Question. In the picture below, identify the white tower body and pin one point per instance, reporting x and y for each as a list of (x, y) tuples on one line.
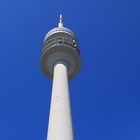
[(60, 61), (60, 124)]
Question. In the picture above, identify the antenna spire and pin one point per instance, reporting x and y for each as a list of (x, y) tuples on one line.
[(60, 25)]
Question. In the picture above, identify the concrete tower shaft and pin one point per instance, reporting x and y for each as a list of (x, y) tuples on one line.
[(60, 123)]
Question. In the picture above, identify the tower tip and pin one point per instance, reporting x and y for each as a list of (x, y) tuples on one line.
[(60, 16), (60, 25)]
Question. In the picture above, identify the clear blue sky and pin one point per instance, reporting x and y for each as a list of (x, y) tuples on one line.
[(105, 95)]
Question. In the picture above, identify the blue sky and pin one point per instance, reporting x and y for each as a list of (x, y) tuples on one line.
[(105, 95)]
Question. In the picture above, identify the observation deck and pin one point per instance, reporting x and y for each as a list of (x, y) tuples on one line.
[(60, 46)]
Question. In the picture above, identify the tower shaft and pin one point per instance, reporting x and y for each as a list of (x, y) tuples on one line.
[(60, 122)]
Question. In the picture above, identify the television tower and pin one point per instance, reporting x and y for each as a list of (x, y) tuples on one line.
[(60, 61)]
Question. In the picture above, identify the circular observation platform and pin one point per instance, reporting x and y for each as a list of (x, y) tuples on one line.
[(60, 46)]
